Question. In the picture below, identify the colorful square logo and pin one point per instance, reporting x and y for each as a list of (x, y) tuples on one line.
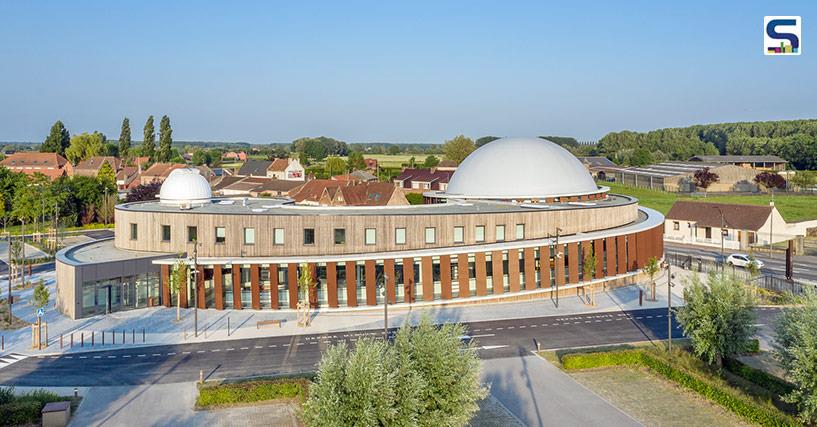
[(781, 35)]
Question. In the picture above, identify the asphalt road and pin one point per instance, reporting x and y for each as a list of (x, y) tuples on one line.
[(300, 353), (805, 267)]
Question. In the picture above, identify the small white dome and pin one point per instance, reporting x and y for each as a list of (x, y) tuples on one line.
[(520, 168), (185, 186)]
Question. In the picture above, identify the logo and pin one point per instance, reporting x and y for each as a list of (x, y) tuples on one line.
[(781, 35)]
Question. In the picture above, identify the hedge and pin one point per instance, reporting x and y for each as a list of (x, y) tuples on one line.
[(763, 379), (251, 391), (742, 406), (24, 409)]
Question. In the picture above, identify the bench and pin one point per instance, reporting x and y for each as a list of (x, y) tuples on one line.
[(261, 323)]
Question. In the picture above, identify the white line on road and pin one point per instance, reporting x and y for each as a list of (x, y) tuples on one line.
[(481, 336), (492, 347)]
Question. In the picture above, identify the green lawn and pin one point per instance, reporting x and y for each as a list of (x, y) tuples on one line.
[(794, 208), (397, 160)]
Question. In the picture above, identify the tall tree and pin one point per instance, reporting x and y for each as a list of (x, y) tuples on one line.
[(149, 142), (718, 317), (85, 146), (165, 139), (795, 346), (459, 148), (57, 141), (124, 139)]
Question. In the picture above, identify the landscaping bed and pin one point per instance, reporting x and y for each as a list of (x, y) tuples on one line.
[(219, 395), (746, 392)]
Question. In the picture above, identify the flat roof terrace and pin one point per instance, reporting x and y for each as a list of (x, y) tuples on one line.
[(269, 206)]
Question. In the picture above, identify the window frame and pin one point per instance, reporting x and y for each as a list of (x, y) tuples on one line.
[(307, 230), (223, 238), (162, 232), (396, 234), (523, 231), (275, 236), (366, 236), (461, 230), (335, 236), (433, 239), (252, 229), (496, 233), (134, 231), (195, 231), (477, 233)]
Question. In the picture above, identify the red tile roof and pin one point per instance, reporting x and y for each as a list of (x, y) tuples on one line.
[(740, 217)]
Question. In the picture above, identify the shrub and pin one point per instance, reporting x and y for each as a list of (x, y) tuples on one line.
[(763, 379), (715, 391), (6, 395), (20, 412)]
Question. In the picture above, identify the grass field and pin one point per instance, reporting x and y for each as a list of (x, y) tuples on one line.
[(397, 160), (794, 208)]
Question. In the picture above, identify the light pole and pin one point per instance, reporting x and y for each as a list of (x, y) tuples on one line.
[(723, 234), (10, 299), (669, 307), (384, 279), (557, 255), (195, 273)]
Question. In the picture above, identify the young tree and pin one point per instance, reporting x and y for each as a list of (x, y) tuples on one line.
[(107, 208), (149, 141), (804, 179), (165, 139), (795, 346), (41, 294), (459, 148), (85, 146), (106, 174), (124, 139), (335, 165), (431, 161), (651, 268), (770, 181), (57, 141), (589, 266), (703, 178), (306, 288), (718, 317), (178, 279), (355, 161)]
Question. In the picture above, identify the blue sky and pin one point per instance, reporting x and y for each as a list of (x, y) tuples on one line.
[(396, 71)]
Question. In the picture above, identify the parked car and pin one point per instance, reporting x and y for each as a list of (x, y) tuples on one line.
[(742, 260)]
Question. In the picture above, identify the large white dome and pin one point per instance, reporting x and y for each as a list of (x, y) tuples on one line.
[(520, 168), (185, 186)]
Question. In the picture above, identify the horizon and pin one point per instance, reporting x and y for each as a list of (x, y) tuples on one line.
[(409, 74)]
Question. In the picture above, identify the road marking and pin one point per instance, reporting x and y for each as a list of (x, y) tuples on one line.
[(55, 357), (200, 351), (300, 343), (481, 336), (649, 317), (155, 354), (477, 330), (532, 326), (215, 350), (185, 352), (83, 357), (286, 345), (97, 357), (69, 357), (141, 355), (126, 355), (111, 357), (259, 346), (244, 348), (522, 327), (639, 318), (272, 346), (230, 349), (492, 347), (488, 329), (511, 327)]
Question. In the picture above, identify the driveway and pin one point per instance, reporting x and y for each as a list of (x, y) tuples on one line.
[(539, 394)]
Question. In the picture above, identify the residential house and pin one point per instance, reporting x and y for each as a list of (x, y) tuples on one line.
[(737, 226), (447, 165), (158, 172), (325, 192), (91, 166), (51, 165), (232, 156), (424, 179), (253, 186), (371, 164), (763, 162), (127, 178), (355, 177), (285, 169)]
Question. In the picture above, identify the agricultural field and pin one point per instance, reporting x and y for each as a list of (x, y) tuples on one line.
[(793, 207), (397, 160)]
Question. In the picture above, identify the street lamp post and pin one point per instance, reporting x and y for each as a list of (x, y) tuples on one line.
[(557, 255), (195, 274), (669, 307), (723, 234)]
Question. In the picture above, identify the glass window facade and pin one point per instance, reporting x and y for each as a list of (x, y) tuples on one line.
[(120, 294)]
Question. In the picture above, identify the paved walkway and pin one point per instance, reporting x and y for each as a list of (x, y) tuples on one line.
[(161, 327), (540, 394)]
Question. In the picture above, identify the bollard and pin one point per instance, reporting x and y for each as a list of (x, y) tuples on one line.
[(60, 341), (3, 345), (123, 336), (82, 343), (143, 335), (640, 297), (228, 326), (92, 338), (133, 336), (103, 337), (72, 340), (76, 392), (201, 376)]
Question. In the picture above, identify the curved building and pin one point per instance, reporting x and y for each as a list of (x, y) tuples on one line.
[(521, 218)]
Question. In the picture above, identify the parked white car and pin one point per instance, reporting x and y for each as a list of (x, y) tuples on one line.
[(742, 260)]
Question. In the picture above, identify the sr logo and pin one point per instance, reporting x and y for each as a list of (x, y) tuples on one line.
[(781, 35)]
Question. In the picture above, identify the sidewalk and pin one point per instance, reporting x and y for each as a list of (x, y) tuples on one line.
[(160, 324)]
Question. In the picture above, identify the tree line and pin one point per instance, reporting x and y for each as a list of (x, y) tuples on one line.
[(793, 140)]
